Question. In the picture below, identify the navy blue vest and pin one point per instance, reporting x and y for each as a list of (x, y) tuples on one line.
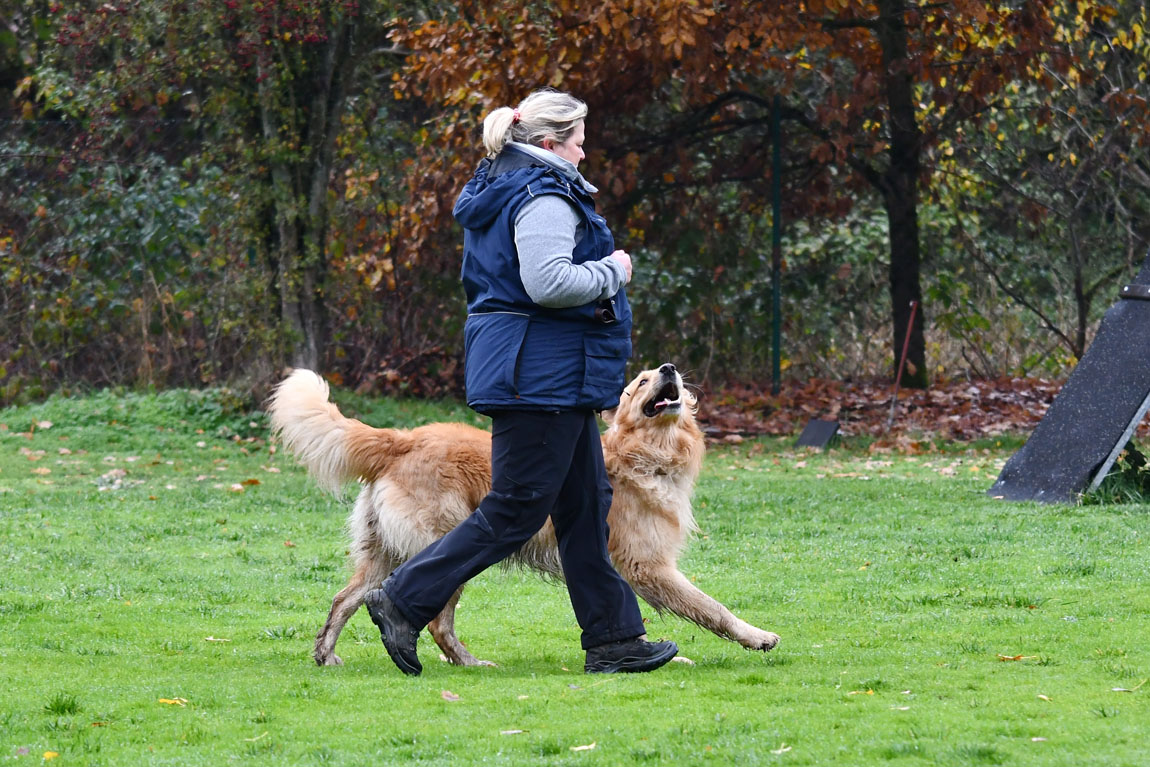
[(520, 355)]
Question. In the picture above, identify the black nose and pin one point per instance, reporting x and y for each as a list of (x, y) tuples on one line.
[(667, 368)]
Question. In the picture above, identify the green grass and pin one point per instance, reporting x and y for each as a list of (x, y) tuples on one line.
[(154, 548)]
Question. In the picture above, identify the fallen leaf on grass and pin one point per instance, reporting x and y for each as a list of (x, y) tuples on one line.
[(681, 659), (236, 488), (1043, 697), (42, 470), (99, 724), (1002, 657), (782, 749), (449, 695), (512, 732), (861, 692), (50, 755), (1131, 689), (1038, 740), (175, 701), (587, 747), (251, 481), (258, 737), (215, 639), (900, 708), (289, 544)]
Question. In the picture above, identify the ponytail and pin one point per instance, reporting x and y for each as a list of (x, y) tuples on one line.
[(545, 114)]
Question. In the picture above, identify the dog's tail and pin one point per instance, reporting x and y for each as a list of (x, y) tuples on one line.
[(335, 449)]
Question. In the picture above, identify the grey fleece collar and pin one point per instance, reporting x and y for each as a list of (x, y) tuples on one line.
[(569, 171)]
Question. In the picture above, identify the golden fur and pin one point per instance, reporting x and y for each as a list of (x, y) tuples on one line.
[(417, 484)]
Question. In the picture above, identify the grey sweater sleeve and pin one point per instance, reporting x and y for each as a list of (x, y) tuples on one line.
[(546, 232)]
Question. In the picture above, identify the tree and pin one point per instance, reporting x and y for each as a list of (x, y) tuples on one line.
[(1072, 163), (679, 91), (265, 86)]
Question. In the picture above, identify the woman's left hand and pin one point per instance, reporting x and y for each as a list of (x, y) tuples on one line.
[(623, 258)]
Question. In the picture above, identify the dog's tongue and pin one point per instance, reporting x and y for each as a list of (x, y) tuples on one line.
[(664, 404)]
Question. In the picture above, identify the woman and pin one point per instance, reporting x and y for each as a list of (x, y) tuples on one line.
[(547, 339)]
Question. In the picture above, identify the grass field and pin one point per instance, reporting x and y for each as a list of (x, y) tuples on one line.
[(163, 574)]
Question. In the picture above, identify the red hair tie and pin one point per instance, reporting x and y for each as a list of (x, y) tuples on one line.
[(514, 116)]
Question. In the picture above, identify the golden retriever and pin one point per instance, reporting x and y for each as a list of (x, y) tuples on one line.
[(417, 484)]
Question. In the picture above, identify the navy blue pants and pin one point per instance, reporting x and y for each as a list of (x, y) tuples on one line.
[(542, 464)]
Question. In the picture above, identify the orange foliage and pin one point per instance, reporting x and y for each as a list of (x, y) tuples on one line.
[(832, 61)]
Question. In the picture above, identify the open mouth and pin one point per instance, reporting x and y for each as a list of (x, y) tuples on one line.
[(667, 400)]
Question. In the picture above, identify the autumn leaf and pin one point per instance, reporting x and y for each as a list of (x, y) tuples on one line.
[(1130, 689), (49, 755), (449, 695), (587, 747), (174, 701)]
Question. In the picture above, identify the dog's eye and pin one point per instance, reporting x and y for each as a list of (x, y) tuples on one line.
[(643, 382)]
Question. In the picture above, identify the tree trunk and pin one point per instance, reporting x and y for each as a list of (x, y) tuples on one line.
[(900, 194), (300, 187), (296, 278)]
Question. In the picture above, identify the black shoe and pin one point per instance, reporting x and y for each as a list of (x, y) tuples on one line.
[(629, 655), (398, 634)]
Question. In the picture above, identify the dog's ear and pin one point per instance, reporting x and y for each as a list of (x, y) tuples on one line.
[(608, 416)]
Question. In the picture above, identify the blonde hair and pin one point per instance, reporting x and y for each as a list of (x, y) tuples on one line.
[(545, 114)]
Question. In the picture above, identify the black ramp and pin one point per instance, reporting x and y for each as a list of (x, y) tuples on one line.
[(818, 433), (1097, 410)]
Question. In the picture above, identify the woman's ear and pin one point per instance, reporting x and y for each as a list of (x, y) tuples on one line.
[(549, 144)]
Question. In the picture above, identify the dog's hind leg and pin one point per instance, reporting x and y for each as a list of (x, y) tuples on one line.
[(666, 588), (442, 628), (368, 575)]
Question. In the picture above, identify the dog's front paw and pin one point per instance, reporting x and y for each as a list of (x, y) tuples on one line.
[(762, 640), (328, 660)]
